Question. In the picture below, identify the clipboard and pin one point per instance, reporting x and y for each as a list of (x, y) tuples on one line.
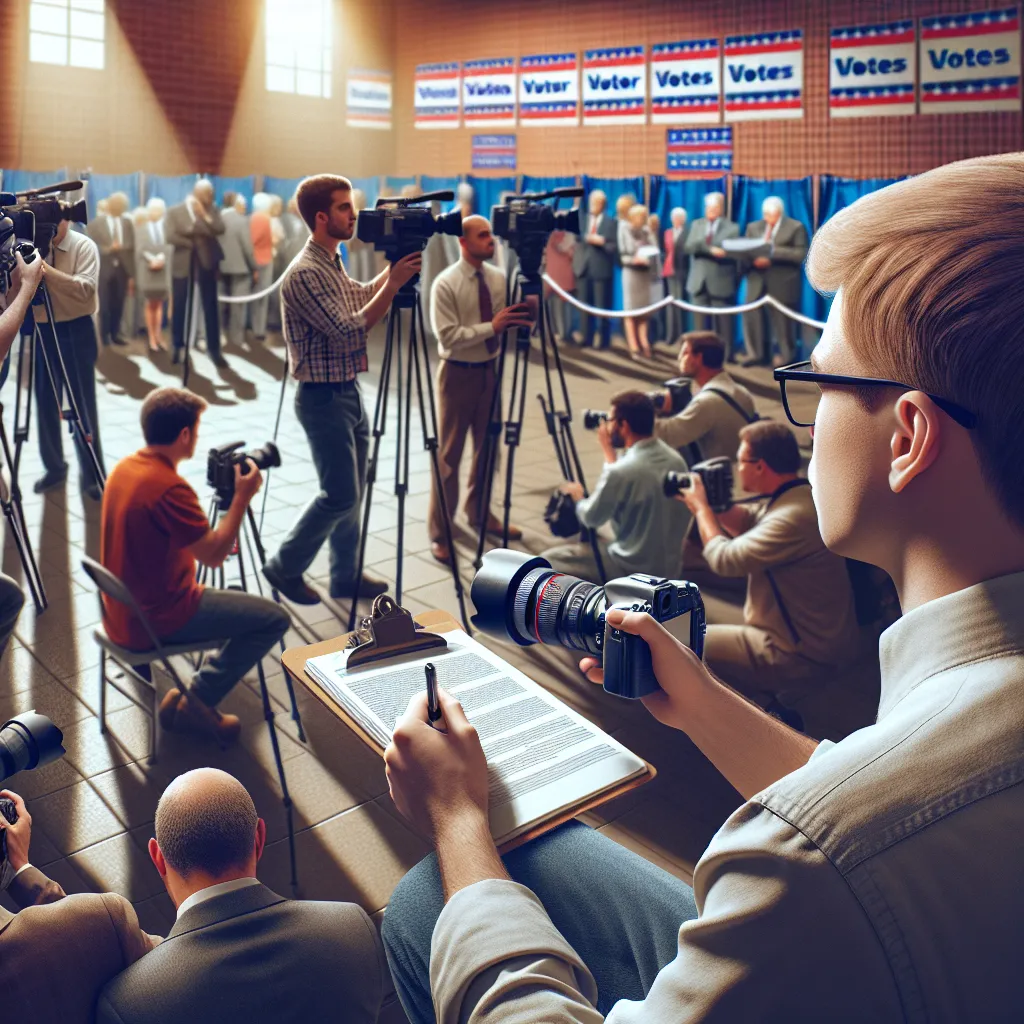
[(392, 631)]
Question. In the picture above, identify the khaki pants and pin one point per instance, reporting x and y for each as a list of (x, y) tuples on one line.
[(464, 405)]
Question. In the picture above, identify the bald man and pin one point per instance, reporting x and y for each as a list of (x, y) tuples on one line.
[(468, 315), (238, 951)]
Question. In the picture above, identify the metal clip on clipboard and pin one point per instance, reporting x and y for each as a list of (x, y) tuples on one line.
[(392, 632)]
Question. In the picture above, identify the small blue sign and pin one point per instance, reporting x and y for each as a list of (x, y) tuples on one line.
[(494, 152)]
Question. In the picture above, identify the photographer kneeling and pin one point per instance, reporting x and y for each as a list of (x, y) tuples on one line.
[(800, 623), (630, 492), (153, 533)]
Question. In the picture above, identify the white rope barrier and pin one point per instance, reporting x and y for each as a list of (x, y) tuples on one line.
[(259, 295)]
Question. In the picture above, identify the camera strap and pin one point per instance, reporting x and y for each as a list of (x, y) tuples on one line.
[(783, 610), (729, 400)]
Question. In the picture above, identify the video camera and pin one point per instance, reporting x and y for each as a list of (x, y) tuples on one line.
[(520, 596), (717, 477), (398, 226), (526, 223), (28, 741), (221, 462), (30, 220), (679, 391)]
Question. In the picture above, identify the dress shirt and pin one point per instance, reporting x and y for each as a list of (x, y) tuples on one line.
[(879, 882), (115, 229), (78, 256), (455, 311), (324, 328), (211, 891)]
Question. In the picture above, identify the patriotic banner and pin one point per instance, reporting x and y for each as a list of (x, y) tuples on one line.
[(494, 152), (549, 90), (614, 86), (764, 76), (686, 82), (698, 152), (436, 88), (489, 93), (872, 70), (368, 99), (970, 62)]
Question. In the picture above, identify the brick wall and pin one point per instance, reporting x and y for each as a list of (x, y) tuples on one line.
[(868, 147)]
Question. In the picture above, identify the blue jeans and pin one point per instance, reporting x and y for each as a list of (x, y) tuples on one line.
[(339, 441), (249, 624), (618, 911)]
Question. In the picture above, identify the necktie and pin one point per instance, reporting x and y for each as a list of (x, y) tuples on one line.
[(768, 233), (710, 232), (486, 309)]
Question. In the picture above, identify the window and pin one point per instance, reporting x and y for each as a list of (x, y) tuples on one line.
[(66, 32), (299, 46)]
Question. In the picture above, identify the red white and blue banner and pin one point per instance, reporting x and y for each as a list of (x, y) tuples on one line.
[(698, 152), (873, 70), (970, 62), (489, 93), (368, 99), (436, 88), (764, 76), (615, 86), (686, 82), (549, 90), (494, 152)]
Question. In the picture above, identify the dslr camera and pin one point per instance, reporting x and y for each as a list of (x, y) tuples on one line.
[(521, 597), (716, 475), (526, 223), (221, 462), (398, 227), (28, 741), (593, 418), (679, 392)]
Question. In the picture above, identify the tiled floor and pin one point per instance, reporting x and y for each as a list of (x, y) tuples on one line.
[(93, 809)]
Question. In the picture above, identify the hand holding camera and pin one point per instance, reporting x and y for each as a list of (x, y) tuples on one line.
[(248, 480), (28, 274), (511, 317), (405, 269), (15, 828)]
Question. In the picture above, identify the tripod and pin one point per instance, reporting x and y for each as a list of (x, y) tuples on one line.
[(525, 284), (10, 505), (417, 362), (248, 539), (190, 321)]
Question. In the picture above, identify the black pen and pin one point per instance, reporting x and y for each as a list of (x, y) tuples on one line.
[(433, 707)]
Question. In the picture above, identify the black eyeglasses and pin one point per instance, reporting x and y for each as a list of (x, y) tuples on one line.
[(808, 403)]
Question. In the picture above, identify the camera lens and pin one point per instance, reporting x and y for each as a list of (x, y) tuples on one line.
[(267, 457), (28, 741), (675, 482)]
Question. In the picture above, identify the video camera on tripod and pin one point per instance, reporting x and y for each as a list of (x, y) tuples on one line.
[(526, 222), (30, 220), (399, 225)]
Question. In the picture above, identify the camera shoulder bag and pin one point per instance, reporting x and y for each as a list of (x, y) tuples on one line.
[(729, 400), (784, 611)]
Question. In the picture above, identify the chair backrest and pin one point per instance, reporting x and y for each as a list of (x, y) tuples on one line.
[(115, 589)]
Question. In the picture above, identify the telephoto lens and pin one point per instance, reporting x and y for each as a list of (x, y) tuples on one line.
[(267, 457), (28, 741), (593, 418)]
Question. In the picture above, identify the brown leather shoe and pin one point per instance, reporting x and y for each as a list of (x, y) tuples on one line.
[(495, 528), (440, 551), (169, 709), (195, 716)]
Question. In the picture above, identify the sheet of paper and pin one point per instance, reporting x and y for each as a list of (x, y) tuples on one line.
[(542, 756)]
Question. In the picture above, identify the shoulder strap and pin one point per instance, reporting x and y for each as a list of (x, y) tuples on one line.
[(782, 607), (729, 400)]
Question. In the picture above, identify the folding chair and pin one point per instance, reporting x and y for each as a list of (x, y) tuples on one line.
[(129, 661)]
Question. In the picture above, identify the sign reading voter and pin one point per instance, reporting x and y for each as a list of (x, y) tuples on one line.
[(970, 62), (764, 76), (698, 152), (368, 99), (872, 70), (436, 88), (549, 90), (489, 92), (615, 86), (494, 152), (686, 82)]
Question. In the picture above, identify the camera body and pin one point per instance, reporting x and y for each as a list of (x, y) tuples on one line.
[(680, 392), (593, 418), (716, 475), (526, 223), (397, 228), (221, 462)]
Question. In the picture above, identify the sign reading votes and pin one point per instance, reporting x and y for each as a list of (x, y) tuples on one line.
[(489, 92), (872, 70), (437, 95), (614, 86), (764, 76), (549, 89), (686, 82), (368, 99)]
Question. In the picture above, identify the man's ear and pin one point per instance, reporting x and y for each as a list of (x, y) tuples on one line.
[(916, 439), (156, 855), (185, 437), (261, 837)]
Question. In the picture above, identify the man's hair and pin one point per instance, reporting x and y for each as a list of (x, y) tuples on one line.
[(166, 412), (228, 201), (637, 409), (932, 297), (314, 195), (208, 824), (708, 345), (774, 443)]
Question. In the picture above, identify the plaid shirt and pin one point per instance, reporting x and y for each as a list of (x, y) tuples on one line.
[(323, 326)]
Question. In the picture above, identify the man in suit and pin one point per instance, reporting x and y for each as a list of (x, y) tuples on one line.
[(238, 267), (114, 233), (593, 263), (58, 951), (193, 228), (238, 951), (778, 275), (712, 276), (674, 271)]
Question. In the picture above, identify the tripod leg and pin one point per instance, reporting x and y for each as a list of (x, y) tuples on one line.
[(277, 427), (492, 444), (186, 361)]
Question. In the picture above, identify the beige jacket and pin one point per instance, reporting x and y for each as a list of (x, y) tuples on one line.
[(709, 420)]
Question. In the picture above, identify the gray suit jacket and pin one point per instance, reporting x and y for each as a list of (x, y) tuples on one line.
[(98, 229), (253, 956), (708, 274), (783, 280), (596, 261), (236, 242), (187, 235)]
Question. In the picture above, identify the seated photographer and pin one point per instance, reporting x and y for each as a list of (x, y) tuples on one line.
[(153, 531), (711, 420), (800, 623), (57, 951), (873, 879), (238, 951), (630, 493)]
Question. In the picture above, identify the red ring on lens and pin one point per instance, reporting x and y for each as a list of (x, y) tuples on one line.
[(540, 599)]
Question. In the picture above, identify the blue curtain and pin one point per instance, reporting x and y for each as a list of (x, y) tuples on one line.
[(435, 183), (20, 181), (542, 183), (370, 188), (99, 186), (393, 184), (283, 187), (488, 192), (668, 193), (171, 189), (613, 188), (245, 185)]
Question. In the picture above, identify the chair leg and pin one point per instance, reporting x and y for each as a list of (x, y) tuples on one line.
[(103, 691), (154, 736)]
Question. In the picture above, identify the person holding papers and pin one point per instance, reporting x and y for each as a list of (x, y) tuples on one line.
[(639, 253)]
